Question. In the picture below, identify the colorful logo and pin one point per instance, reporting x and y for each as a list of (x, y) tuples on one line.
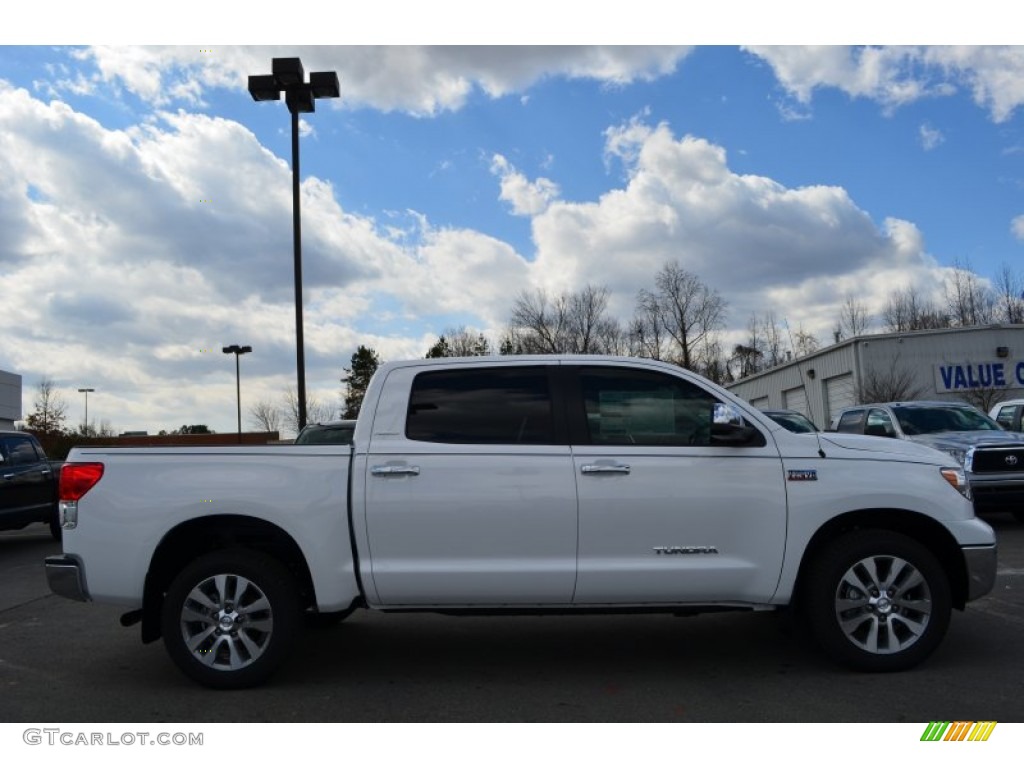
[(959, 731)]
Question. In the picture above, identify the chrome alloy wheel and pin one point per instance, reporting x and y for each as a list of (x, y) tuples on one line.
[(226, 621), (883, 604)]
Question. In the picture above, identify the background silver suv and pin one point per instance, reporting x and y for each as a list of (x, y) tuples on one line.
[(992, 457)]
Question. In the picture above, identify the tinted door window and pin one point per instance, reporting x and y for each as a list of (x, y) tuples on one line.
[(1005, 416), (20, 451), (629, 407), (879, 423), (493, 406), (851, 421)]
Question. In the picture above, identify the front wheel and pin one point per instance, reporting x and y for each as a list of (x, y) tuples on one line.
[(877, 601), (230, 618)]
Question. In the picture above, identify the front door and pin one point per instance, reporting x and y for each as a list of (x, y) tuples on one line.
[(668, 512)]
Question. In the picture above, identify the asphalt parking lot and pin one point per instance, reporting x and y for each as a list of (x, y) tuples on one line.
[(62, 661)]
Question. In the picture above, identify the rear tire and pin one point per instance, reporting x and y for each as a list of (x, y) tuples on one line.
[(877, 601), (231, 618)]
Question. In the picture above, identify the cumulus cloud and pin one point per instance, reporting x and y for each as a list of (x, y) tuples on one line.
[(898, 75), (930, 137), (528, 198), (1017, 227), (422, 80), (750, 237)]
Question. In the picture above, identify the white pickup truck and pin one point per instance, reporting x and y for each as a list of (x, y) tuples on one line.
[(527, 485)]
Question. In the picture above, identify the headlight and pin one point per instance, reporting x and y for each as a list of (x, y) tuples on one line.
[(960, 454), (958, 479)]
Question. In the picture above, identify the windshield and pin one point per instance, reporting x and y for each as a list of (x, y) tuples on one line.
[(923, 421), (794, 422), (325, 435)]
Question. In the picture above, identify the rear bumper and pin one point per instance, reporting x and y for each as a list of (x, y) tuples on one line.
[(66, 577), (981, 570)]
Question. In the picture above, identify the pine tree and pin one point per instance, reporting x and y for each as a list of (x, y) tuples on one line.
[(357, 378)]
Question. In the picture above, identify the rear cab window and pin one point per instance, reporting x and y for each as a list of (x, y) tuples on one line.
[(851, 421), (486, 406)]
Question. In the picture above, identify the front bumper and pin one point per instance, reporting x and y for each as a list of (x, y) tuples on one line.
[(66, 577), (981, 570)]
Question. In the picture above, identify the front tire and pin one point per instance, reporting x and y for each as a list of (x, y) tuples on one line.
[(877, 601), (230, 618)]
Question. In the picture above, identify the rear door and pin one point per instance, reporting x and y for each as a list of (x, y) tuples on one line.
[(470, 497), (668, 513), (26, 479)]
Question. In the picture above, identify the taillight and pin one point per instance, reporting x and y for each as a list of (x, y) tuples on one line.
[(77, 479)]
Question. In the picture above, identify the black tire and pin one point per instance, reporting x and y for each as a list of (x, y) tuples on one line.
[(231, 618), (1018, 515), (859, 626), (55, 529)]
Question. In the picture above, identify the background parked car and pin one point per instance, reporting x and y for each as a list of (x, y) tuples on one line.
[(28, 483), (1009, 415), (328, 433), (794, 421), (992, 457)]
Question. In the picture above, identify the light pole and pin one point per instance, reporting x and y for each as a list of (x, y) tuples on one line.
[(300, 96), (237, 350), (86, 391)]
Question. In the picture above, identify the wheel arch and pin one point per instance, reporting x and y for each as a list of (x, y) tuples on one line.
[(922, 528), (199, 536)]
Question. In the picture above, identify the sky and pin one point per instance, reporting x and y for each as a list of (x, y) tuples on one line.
[(145, 198)]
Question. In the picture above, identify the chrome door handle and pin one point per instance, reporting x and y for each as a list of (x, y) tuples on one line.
[(392, 469), (605, 469)]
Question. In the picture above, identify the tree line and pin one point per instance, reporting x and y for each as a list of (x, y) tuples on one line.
[(680, 319)]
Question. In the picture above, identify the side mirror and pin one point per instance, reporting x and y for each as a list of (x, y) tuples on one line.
[(735, 436)]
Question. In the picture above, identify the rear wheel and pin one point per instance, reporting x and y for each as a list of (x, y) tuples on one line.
[(231, 618), (877, 601)]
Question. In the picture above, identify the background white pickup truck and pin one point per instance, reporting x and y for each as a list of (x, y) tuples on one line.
[(536, 484)]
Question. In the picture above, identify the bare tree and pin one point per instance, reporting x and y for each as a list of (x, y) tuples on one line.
[(854, 318), (266, 416), (647, 335), (906, 310), (775, 350), (968, 300), (575, 323), (747, 360), (460, 342), (804, 343), (50, 409), (983, 398), (316, 411), (1009, 296), (715, 365), (688, 310), (892, 383)]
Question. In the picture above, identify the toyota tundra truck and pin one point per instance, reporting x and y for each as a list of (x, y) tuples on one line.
[(539, 484)]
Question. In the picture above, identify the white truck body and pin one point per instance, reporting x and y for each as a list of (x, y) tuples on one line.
[(605, 511)]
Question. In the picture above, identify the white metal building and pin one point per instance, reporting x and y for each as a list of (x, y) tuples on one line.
[(10, 399), (947, 364)]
